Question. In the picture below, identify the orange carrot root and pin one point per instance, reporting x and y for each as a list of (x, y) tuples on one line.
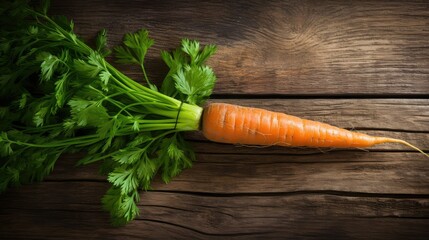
[(234, 124)]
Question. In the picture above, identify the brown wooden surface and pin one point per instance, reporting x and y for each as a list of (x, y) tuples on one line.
[(362, 65)]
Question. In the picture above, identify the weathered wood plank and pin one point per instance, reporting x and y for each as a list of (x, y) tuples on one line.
[(372, 173), (362, 172), (75, 212), (56, 224), (281, 47)]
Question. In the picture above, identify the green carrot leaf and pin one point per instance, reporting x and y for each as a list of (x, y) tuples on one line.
[(124, 178), (101, 43), (175, 157), (61, 89), (48, 66), (192, 48), (195, 82), (135, 47), (188, 75), (128, 155)]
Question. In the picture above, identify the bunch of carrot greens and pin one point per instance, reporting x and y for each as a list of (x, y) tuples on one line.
[(59, 95)]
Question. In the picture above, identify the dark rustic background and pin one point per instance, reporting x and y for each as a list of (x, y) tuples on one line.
[(361, 65)]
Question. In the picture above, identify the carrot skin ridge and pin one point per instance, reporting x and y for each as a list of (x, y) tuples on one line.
[(228, 123)]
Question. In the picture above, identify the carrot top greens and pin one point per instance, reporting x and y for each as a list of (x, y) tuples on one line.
[(59, 95)]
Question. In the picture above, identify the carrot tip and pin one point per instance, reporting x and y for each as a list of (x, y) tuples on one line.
[(394, 140)]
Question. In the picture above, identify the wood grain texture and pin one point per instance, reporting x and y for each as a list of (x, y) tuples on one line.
[(237, 197), (185, 215), (282, 47), (361, 65), (356, 172)]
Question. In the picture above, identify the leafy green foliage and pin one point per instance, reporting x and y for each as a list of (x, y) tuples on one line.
[(177, 157), (125, 179), (189, 79), (134, 50), (122, 207), (197, 56), (58, 95), (195, 82), (101, 43), (48, 66), (135, 47)]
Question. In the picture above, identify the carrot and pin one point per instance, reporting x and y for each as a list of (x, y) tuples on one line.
[(229, 123)]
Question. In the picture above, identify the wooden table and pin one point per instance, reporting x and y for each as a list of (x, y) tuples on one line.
[(362, 65)]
